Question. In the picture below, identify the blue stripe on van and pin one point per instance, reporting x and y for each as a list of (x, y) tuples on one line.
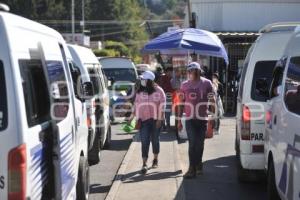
[(38, 171), (67, 165), (38, 168)]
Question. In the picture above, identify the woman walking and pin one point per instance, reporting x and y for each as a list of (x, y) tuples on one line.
[(149, 111)]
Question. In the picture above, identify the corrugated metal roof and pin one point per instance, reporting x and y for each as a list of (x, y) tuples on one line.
[(240, 34), (244, 1)]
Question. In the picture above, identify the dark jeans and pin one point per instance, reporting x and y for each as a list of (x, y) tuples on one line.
[(217, 124), (168, 111), (196, 130), (149, 132)]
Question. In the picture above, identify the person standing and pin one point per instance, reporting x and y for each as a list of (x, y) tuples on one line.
[(218, 90), (196, 96), (165, 83), (149, 106)]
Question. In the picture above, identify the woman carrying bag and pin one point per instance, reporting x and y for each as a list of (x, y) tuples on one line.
[(149, 107)]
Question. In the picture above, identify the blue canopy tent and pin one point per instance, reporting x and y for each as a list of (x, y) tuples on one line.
[(187, 41)]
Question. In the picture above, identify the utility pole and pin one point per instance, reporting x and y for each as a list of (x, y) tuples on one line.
[(73, 21), (83, 23), (189, 11)]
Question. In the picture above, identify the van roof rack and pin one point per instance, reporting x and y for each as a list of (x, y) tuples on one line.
[(280, 26), (4, 7)]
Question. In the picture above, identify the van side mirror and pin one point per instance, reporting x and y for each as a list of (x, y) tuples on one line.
[(109, 83), (261, 87), (278, 90), (87, 90), (55, 90)]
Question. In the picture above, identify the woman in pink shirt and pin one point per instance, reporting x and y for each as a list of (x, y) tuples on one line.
[(149, 110)]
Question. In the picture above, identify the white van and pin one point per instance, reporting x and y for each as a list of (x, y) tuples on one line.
[(43, 156), (122, 73), (282, 143), (251, 101), (91, 70)]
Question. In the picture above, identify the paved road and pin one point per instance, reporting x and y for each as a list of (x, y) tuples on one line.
[(103, 174)]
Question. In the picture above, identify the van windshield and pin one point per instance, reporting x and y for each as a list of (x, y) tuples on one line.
[(3, 99), (119, 74), (263, 70)]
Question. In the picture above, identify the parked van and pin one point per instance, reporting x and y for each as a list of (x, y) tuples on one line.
[(282, 143), (122, 74), (252, 98), (98, 107), (43, 154)]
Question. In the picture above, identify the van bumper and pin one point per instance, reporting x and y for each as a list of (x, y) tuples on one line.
[(253, 161)]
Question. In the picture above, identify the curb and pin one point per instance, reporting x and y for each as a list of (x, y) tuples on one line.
[(178, 167), (122, 169)]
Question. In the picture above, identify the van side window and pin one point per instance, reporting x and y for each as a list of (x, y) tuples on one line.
[(263, 70), (35, 91), (95, 80), (3, 100), (102, 84), (292, 86), (75, 72), (277, 77), (59, 90)]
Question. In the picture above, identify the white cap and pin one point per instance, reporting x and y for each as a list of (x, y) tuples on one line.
[(194, 65), (148, 75)]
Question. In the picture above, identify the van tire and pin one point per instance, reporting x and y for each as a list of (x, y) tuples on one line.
[(271, 186), (95, 152), (108, 138), (83, 182)]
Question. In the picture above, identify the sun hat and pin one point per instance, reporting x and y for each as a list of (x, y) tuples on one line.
[(194, 65), (148, 75)]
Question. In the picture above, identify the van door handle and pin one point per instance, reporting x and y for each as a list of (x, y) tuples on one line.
[(275, 120)]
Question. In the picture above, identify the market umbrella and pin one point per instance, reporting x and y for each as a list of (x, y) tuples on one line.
[(185, 41)]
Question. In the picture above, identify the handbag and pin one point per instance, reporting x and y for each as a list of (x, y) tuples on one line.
[(210, 129)]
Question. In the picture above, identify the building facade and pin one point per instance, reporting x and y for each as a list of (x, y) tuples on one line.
[(237, 23)]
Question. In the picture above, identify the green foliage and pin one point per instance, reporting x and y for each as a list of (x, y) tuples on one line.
[(126, 18), (106, 53), (117, 46)]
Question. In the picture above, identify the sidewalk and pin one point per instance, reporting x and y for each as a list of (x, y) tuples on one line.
[(163, 183), (219, 180)]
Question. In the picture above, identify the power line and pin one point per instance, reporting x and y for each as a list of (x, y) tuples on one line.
[(96, 22), (114, 28)]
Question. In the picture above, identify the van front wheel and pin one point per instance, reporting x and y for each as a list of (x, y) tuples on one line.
[(83, 182)]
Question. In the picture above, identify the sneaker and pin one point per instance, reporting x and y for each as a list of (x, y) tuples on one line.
[(199, 169), (144, 169), (155, 163), (190, 174)]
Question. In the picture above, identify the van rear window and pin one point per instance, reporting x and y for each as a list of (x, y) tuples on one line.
[(263, 70), (3, 100)]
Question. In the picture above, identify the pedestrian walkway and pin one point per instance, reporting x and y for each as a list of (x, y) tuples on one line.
[(163, 183), (219, 180)]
